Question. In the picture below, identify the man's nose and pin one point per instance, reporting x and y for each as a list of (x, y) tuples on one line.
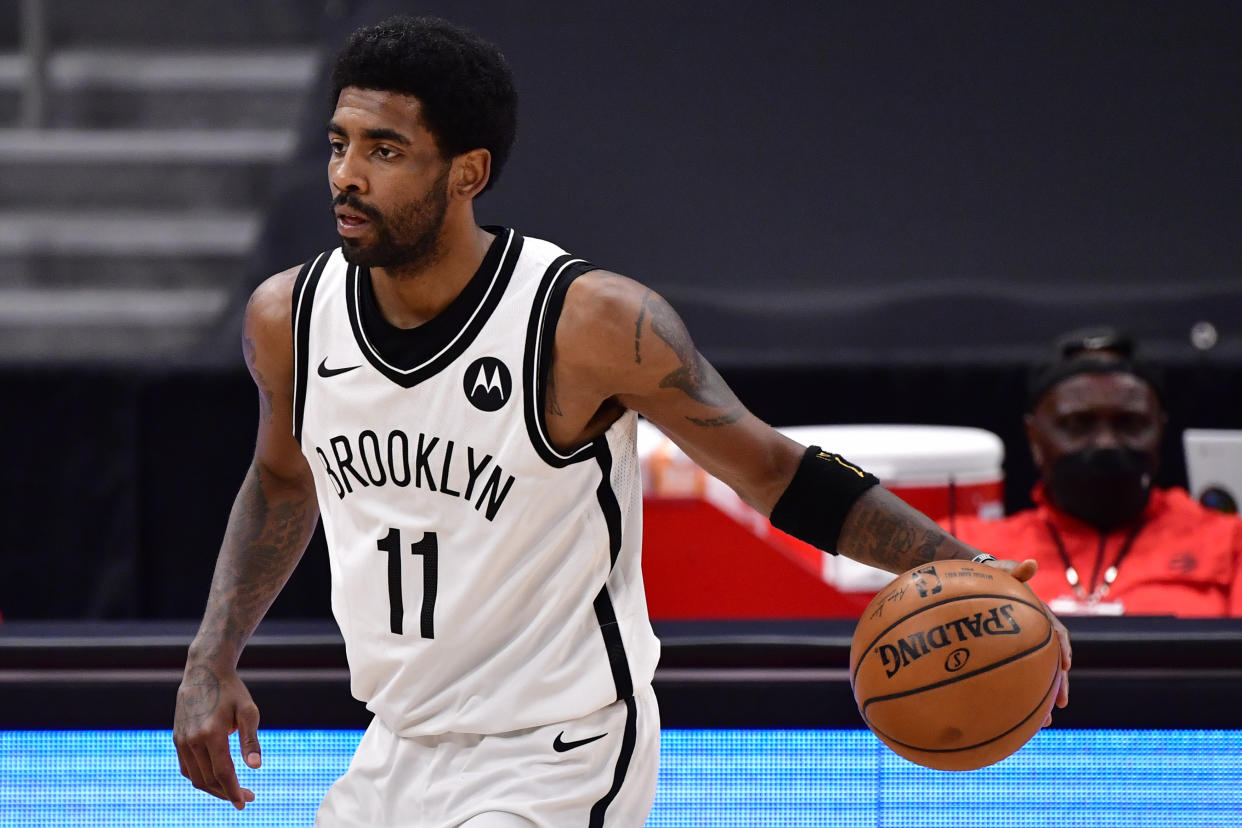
[(1105, 437), (345, 173)]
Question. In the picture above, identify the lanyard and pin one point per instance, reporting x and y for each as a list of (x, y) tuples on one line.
[(1110, 574)]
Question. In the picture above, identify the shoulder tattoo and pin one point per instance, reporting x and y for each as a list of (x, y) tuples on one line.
[(694, 376)]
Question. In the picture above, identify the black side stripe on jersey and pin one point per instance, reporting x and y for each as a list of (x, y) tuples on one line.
[(608, 498), (613, 645), (409, 377), (628, 740), (604, 612), (303, 301), (540, 336)]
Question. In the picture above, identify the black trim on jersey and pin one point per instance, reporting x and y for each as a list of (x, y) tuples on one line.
[(613, 645), (540, 335), (406, 348), (410, 356), (604, 612), (303, 301), (608, 499), (628, 739)]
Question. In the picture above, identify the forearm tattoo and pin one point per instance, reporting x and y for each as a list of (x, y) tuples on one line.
[(695, 376), (264, 541), (890, 540), (927, 547)]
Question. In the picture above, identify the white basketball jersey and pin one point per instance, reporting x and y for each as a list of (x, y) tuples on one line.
[(483, 581)]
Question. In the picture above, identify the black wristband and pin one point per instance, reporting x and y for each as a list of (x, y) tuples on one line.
[(823, 489)]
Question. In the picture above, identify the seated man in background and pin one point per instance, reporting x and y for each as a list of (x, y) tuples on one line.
[(1107, 541)]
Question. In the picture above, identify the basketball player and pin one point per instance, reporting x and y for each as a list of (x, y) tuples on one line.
[(458, 404)]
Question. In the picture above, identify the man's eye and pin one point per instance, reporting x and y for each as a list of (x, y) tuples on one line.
[(385, 152), (1133, 424), (1075, 424)]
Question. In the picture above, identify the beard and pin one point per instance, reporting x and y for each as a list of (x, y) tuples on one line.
[(407, 241)]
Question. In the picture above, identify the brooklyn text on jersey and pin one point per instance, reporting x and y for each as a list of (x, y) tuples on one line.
[(436, 464)]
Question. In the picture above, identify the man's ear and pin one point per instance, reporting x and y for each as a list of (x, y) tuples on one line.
[(470, 174)]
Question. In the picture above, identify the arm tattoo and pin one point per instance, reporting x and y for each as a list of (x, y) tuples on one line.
[(890, 539), (264, 542), (638, 327), (881, 537), (695, 376), (200, 693), (927, 548), (731, 416), (265, 393)]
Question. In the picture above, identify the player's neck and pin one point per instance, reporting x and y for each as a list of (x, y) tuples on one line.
[(409, 299)]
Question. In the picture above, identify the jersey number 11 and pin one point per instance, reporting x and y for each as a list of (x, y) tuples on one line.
[(391, 543)]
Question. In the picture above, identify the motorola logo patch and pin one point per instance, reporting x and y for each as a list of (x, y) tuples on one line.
[(487, 384)]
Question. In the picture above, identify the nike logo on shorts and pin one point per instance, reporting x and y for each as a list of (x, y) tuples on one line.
[(560, 746), (325, 371)]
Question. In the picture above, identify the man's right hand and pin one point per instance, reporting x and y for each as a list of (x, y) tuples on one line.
[(212, 705)]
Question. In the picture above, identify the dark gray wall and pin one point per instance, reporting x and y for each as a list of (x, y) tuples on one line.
[(828, 181)]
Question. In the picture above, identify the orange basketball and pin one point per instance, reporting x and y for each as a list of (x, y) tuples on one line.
[(954, 665)]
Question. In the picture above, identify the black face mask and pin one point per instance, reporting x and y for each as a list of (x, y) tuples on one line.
[(1105, 488)]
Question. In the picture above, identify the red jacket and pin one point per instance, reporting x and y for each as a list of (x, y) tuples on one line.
[(1185, 560)]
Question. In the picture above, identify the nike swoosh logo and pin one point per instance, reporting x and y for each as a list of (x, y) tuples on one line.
[(325, 371), (560, 746)]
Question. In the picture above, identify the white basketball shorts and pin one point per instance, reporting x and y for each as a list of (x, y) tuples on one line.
[(599, 770)]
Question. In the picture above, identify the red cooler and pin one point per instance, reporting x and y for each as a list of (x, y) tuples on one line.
[(706, 554)]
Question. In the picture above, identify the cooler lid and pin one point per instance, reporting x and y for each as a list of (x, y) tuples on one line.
[(910, 452)]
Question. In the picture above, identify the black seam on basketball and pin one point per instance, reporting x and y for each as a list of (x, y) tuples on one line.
[(940, 603), (962, 677), (999, 736)]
